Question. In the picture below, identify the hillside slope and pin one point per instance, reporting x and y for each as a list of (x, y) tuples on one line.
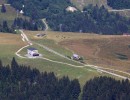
[(81, 3), (10, 14), (108, 51)]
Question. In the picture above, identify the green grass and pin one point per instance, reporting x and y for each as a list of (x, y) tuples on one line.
[(7, 51), (51, 56), (81, 4), (9, 15), (83, 74), (53, 45)]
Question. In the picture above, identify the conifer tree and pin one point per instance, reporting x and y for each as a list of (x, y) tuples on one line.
[(1, 65), (3, 8)]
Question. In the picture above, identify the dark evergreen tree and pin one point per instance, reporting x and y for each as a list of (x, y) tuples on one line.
[(5, 27), (14, 63), (27, 24), (20, 82), (1, 63), (3, 8), (92, 19), (104, 88), (119, 4)]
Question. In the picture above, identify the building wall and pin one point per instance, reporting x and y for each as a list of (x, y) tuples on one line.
[(30, 52)]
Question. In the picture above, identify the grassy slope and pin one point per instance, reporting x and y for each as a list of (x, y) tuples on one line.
[(10, 14), (10, 43), (93, 47), (81, 3), (106, 51)]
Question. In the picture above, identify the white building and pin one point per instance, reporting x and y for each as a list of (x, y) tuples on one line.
[(21, 12), (32, 52), (71, 9), (75, 56)]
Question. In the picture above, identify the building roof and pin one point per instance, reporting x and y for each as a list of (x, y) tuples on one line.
[(71, 9), (21, 12), (32, 49), (75, 55)]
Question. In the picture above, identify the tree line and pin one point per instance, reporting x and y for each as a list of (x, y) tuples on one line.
[(3, 9), (21, 82), (92, 19), (40, 8), (119, 4), (20, 23), (28, 24), (106, 88)]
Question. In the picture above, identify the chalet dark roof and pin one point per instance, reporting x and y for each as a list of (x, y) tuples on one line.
[(32, 49)]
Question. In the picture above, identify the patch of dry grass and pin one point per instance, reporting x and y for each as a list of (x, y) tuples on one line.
[(96, 49), (82, 3), (8, 38), (9, 44), (103, 50), (64, 36)]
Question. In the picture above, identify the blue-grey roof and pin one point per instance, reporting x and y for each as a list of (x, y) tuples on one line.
[(32, 49)]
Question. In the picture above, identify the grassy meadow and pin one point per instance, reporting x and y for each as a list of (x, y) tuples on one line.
[(10, 14), (10, 43), (81, 3)]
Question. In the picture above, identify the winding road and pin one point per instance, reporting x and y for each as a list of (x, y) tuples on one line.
[(46, 26)]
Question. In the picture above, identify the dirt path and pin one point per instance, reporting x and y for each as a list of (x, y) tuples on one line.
[(114, 10), (97, 52), (50, 50), (61, 62), (5, 5), (46, 25), (25, 39)]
